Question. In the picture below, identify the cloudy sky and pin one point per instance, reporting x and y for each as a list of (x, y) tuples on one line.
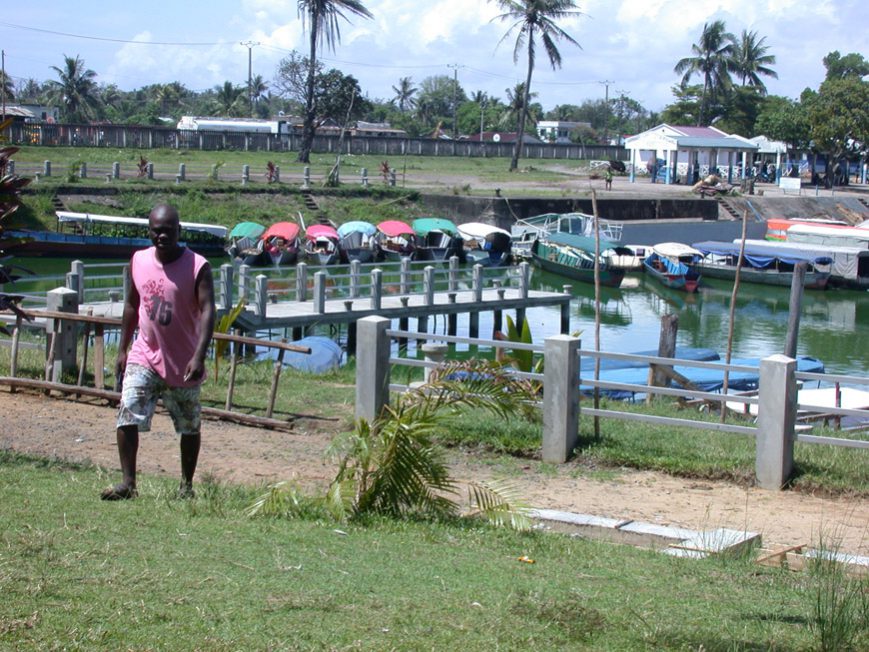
[(629, 46)]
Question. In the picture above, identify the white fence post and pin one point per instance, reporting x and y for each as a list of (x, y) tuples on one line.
[(454, 273), (776, 418), (376, 288), (355, 271), (524, 279), (60, 333), (320, 292), (560, 398), (372, 367), (226, 272), (261, 295), (478, 283), (404, 282), (302, 282), (243, 280), (428, 284)]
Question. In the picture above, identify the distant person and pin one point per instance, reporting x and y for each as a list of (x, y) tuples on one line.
[(608, 178), (652, 168), (171, 301)]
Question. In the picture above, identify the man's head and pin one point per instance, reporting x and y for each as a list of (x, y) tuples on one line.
[(164, 229)]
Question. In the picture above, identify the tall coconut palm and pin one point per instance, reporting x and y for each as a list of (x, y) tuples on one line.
[(533, 19), (75, 90), (713, 59), (750, 60), (230, 99), (320, 18), (404, 93)]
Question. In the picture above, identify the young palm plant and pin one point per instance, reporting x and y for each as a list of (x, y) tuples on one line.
[(392, 467)]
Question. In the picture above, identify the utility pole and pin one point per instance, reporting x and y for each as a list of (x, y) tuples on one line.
[(249, 45), (3, 80), (483, 104), (455, 68), (606, 84)]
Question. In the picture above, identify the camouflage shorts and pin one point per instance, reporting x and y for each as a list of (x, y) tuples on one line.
[(141, 389)]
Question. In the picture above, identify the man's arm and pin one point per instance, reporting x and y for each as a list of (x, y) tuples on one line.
[(129, 322), (207, 312)]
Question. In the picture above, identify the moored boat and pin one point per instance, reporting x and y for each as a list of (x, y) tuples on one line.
[(525, 231), (485, 244), (437, 238), (280, 244), (568, 255), (761, 263), (244, 244), (321, 244), (89, 235), (395, 240), (850, 266), (673, 264), (357, 241)]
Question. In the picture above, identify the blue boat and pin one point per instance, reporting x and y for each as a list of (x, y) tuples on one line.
[(673, 264), (705, 379)]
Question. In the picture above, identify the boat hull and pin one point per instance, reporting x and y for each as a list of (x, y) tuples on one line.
[(541, 256), (49, 243), (685, 282), (814, 280)]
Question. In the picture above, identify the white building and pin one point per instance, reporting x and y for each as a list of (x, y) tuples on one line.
[(686, 154), (559, 131)]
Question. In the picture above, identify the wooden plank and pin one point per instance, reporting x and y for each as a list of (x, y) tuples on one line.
[(777, 556)]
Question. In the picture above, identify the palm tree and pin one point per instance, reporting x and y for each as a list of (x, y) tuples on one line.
[(321, 19), (229, 98), (517, 103), (404, 93), (750, 60), (75, 89), (713, 59), (258, 88), (533, 18), (6, 86)]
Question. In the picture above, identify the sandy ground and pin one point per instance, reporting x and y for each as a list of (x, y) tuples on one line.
[(59, 428)]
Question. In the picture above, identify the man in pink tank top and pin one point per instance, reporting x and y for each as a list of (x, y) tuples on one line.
[(171, 301)]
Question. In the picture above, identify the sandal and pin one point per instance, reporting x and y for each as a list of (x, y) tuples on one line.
[(119, 492)]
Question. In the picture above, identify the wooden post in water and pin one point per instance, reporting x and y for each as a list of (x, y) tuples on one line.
[(797, 284), (666, 349)]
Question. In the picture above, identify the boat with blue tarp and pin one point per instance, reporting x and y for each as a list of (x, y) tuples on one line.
[(706, 379), (769, 264), (674, 265)]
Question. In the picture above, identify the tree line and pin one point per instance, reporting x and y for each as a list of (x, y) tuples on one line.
[(721, 83)]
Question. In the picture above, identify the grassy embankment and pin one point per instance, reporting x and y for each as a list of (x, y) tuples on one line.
[(157, 573), (452, 175)]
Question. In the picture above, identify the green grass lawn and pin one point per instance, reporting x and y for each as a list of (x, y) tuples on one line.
[(159, 573)]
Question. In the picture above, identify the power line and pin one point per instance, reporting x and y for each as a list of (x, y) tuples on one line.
[(102, 38)]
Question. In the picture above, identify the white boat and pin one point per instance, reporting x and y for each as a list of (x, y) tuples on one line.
[(486, 244), (524, 232)]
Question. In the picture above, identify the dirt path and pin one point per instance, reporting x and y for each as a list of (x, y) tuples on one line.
[(85, 432)]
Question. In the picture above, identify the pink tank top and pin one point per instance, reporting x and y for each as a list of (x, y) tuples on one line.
[(168, 314)]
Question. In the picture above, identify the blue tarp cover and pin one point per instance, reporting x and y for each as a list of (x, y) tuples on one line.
[(760, 255)]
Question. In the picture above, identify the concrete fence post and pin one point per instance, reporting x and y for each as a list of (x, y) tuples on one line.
[(776, 418), (83, 171), (320, 292), (376, 288), (364, 177), (355, 273), (434, 353), (226, 294), (306, 177), (372, 367), (60, 333), (116, 170), (77, 268), (10, 167), (478, 283), (245, 174), (126, 281), (277, 173), (243, 281), (524, 279), (302, 282), (428, 285), (560, 398), (150, 169), (404, 282), (392, 177), (46, 168), (261, 294), (182, 171), (454, 274)]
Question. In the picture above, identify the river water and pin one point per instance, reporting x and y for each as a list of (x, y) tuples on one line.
[(834, 324)]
